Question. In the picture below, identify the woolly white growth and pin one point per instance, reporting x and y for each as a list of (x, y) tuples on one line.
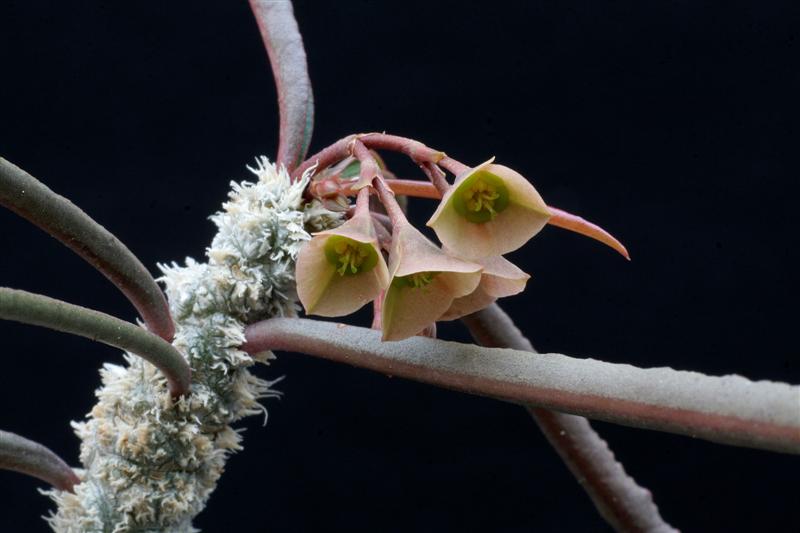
[(151, 463)]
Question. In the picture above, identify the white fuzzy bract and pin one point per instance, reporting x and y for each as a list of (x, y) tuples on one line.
[(150, 463)]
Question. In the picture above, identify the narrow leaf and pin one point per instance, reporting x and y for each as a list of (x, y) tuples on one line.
[(39, 310), (287, 55), (27, 457), (25, 195)]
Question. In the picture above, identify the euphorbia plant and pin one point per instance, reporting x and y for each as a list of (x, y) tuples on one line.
[(156, 443)]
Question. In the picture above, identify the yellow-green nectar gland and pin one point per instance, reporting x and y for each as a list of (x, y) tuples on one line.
[(481, 197), (420, 280), (349, 256)]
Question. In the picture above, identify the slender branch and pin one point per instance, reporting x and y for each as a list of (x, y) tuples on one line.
[(325, 157), (417, 189), (362, 202), (342, 148), (287, 56), (418, 152), (455, 167), (623, 504), (729, 409), (27, 457), (369, 166), (39, 310), (390, 204), (436, 176), (31, 199)]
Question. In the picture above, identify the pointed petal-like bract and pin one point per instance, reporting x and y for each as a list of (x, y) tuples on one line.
[(500, 278), (329, 286), (425, 280), (490, 210)]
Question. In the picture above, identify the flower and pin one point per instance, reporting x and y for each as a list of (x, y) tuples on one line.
[(424, 282), (341, 269), (500, 278), (490, 210)]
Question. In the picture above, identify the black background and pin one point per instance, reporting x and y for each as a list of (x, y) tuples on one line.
[(673, 124)]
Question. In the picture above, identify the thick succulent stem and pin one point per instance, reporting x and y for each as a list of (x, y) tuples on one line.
[(284, 46), (729, 409), (619, 499), (39, 310), (29, 198), (27, 457)]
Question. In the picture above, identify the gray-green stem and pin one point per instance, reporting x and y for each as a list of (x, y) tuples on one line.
[(28, 197), (35, 309), (28, 457), (729, 409)]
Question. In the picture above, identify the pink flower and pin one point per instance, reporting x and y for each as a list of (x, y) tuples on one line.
[(424, 283), (490, 210), (341, 269), (500, 278)]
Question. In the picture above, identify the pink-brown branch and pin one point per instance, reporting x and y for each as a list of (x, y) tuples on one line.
[(618, 498), (287, 56)]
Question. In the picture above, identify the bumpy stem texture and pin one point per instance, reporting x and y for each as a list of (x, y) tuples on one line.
[(151, 463), (625, 505), (25, 195), (39, 310), (27, 457), (730, 409)]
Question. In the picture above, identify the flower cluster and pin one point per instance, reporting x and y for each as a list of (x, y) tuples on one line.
[(488, 211)]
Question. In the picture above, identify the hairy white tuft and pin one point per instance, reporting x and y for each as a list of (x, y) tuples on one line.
[(151, 463)]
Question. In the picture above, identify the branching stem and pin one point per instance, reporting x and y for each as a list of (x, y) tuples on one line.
[(453, 166), (342, 148), (389, 202)]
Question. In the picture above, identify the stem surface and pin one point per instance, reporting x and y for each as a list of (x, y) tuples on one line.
[(31, 199), (287, 56), (39, 310), (729, 409), (28, 457), (618, 498)]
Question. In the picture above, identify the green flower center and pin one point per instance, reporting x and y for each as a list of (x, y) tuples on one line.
[(481, 197), (349, 256), (420, 280)]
